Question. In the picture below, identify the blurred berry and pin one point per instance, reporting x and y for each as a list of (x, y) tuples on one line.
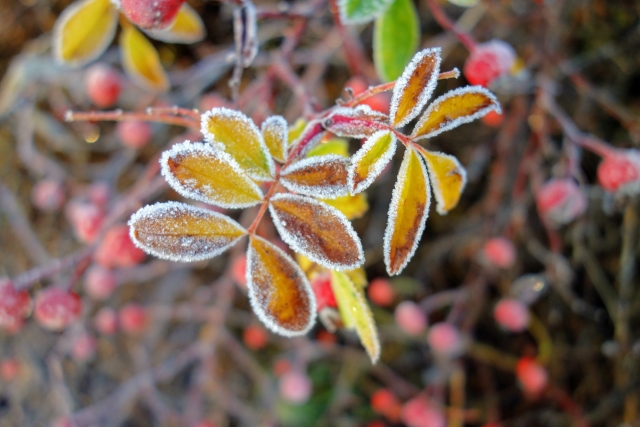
[(151, 15), (385, 403), (15, 306), (499, 252), (445, 340), (48, 195), (99, 282), (133, 319), (418, 412), (380, 292), (512, 315), (117, 249), (239, 270), (83, 348), (489, 61), (493, 118), (531, 375), (86, 220), (102, 84), (281, 366), (321, 285), (134, 134), (410, 318), (561, 201), (9, 369), (106, 321), (57, 308), (255, 337), (620, 172), (295, 387), (99, 194)]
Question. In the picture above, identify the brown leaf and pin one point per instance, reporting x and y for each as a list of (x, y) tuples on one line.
[(318, 176)]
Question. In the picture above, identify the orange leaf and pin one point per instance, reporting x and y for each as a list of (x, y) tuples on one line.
[(416, 85), (407, 213), (279, 292), (370, 160), (318, 176), (316, 230), (235, 133), (448, 179), (187, 27), (276, 136), (83, 31), (141, 61), (454, 108), (200, 171), (181, 232)]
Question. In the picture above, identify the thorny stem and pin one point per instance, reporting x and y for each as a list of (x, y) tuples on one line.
[(446, 23), (119, 115)]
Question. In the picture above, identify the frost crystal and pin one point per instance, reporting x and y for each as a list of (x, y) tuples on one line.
[(241, 194), (395, 206), (324, 177), (403, 90), (356, 183), (449, 124), (318, 231), (180, 232), (261, 284), (358, 122)]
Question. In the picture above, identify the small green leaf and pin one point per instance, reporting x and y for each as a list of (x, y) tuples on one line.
[(359, 11), (396, 38)]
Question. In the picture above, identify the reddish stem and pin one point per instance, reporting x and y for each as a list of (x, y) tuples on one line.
[(446, 23), (175, 110), (119, 115)]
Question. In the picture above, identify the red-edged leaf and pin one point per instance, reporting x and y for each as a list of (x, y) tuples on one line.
[(358, 122), (319, 176)]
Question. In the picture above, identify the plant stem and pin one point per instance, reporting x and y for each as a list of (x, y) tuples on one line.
[(119, 115)]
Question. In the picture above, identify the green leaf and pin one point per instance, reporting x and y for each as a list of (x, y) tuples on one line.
[(359, 11), (395, 40)]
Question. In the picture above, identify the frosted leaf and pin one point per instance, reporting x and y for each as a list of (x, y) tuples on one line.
[(408, 213), (448, 178), (236, 134), (361, 11), (358, 122), (202, 172), (180, 232), (279, 292), (316, 230), (462, 105), (370, 160), (414, 88), (187, 27), (276, 136), (355, 312), (324, 177)]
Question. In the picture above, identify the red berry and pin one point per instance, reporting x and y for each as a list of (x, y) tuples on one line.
[(133, 319), (255, 337), (493, 118), (48, 195), (379, 102), (83, 347), (418, 412), (489, 61), (57, 308), (295, 387), (117, 249), (620, 172), (385, 403), (99, 282), (376, 424), (151, 14), (321, 285), (380, 292), (410, 318), (512, 315), (134, 134), (14, 306), (103, 85), (106, 321), (239, 270), (499, 252), (281, 367), (561, 201), (9, 369), (532, 376), (445, 340), (86, 220)]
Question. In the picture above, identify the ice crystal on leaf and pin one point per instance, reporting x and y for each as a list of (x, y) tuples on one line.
[(354, 122), (370, 160)]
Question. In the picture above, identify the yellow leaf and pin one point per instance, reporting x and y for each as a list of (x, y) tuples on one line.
[(141, 61), (414, 88), (358, 277), (370, 160), (83, 31), (407, 213), (355, 313), (275, 134), (448, 179), (318, 231), (352, 207), (187, 27), (279, 292), (296, 130), (318, 176), (181, 232), (337, 146), (454, 108), (201, 172), (235, 133)]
